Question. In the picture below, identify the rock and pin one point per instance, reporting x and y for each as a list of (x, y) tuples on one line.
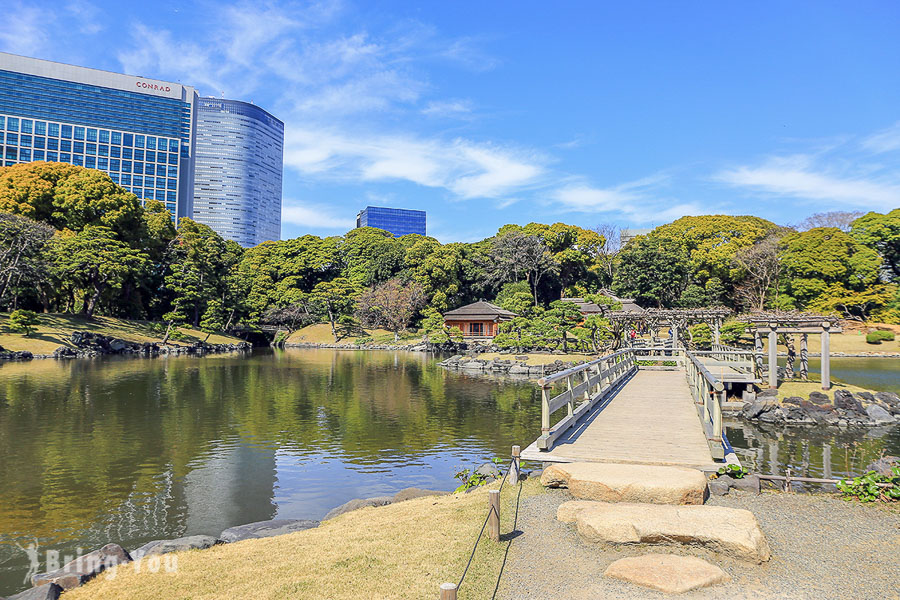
[(867, 396), (754, 409), (84, 568), (819, 398), (793, 400), (411, 493), (888, 398), (775, 415), (719, 487), (358, 503), (767, 393), (518, 370), (845, 400), (879, 415), (264, 529), (48, 591), (191, 542), (525, 358), (609, 482), (748, 483), (568, 511), (883, 465), (488, 470), (730, 531), (667, 573)]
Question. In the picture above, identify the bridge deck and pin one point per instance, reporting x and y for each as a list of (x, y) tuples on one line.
[(725, 372), (651, 419)]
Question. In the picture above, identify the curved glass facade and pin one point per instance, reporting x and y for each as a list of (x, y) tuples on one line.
[(238, 170)]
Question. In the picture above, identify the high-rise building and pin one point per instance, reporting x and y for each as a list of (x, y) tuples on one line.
[(238, 167), (399, 221), (140, 131)]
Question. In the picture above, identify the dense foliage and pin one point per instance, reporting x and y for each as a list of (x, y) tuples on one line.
[(73, 241)]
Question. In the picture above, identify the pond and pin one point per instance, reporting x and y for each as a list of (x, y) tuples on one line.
[(131, 450)]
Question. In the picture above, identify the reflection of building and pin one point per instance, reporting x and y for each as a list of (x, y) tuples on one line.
[(139, 131), (237, 182), (399, 221), (478, 320)]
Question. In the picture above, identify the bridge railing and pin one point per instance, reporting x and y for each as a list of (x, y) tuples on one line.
[(708, 393), (740, 359), (585, 386)]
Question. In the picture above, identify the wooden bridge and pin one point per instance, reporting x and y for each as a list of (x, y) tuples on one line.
[(659, 406)]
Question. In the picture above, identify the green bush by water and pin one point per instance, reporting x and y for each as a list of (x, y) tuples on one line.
[(876, 337)]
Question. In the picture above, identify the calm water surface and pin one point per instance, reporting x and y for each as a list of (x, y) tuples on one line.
[(131, 450)]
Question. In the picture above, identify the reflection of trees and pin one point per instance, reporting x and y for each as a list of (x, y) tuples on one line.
[(810, 451), (83, 443)]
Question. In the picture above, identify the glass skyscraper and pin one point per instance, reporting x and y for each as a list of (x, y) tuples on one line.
[(238, 169), (399, 221), (138, 130)]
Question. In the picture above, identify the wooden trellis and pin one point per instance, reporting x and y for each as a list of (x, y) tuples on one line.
[(677, 320)]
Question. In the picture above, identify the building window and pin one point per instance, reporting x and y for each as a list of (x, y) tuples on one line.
[(476, 328)]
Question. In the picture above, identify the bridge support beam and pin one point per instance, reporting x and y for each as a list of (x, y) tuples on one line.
[(773, 359)]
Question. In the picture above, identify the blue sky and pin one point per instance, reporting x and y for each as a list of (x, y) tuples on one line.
[(486, 113)]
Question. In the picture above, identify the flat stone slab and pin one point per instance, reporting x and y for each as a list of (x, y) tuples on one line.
[(667, 573), (263, 529), (730, 531), (84, 568), (48, 591), (612, 482), (356, 504), (191, 542)]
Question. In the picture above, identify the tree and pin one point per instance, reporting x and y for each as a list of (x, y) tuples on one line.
[(92, 262), (333, 300), (515, 254), (882, 234), (23, 263), (840, 219), (652, 272), (856, 305), (213, 318), (390, 305), (436, 330), (515, 297), (817, 259), (762, 269), (606, 256), (23, 321), (370, 256), (562, 317)]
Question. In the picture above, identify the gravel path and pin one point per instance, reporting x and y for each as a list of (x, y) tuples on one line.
[(822, 548)]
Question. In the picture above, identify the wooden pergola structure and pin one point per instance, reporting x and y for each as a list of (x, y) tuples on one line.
[(788, 325), (677, 320)]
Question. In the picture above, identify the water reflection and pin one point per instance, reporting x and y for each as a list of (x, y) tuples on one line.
[(132, 450)]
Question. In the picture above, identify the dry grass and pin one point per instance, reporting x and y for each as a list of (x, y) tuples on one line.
[(53, 330), (320, 333), (849, 342), (803, 389), (403, 550), (537, 358)]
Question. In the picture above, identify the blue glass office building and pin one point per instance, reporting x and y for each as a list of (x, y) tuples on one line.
[(139, 131), (399, 221), (238, 170)]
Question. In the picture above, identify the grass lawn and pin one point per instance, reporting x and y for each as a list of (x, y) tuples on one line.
[(803, 388), (320, 333), (852, 341), (53, 330), (537, 358), (403, 550)]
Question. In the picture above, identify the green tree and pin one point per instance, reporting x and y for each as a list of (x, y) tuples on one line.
[(813, 261), (562, 317), (515, 297), (436, 330), (652, 271), (213, 318), (390, 305), (23, 321), (23, 258), (882, 234), (334, 299), (93, 262), (370, 256)]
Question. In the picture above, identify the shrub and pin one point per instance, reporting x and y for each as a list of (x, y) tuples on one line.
[(872, 487), (876, 337), (23, 321)]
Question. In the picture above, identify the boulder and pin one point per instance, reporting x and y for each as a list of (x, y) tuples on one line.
[(610, 482), (879, 415), (793, 400), (667, 573), (719, 487), (748, 483), (518, 370), (845, 400), (567, 512), (819, 398), (191, 542), (48, 591), (888, 398), (84, 568), (264, 529), (358, 503), (488, 470), (752, 410), (883, 465), (412, 493), (730, 531), (767, 393)]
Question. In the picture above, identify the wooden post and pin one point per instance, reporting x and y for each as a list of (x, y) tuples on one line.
[(570, 405), (716, 336), (448, 591), (494, 518), (804, 357), (773, 357), (826, 354), (757, 347), (514, 469), (791, 355)]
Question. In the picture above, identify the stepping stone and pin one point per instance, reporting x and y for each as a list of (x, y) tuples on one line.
[(191, 542), (667, 573), (84, 568), (48, 591), (730, 531), (264, 529), (611, 482)]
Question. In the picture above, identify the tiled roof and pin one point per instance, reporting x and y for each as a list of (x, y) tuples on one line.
[(479, 309)]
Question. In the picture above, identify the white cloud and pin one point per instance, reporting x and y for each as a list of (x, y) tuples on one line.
[(886, 140), (23, 29), (803, 177), (447, 108), (313, 216)]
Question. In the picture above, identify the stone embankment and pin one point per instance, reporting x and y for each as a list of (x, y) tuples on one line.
[(48, 586), (848, 409), (87, 344), (517, 366), (414, 347)]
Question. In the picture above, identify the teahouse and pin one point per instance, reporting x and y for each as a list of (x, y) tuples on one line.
[(478, 320)]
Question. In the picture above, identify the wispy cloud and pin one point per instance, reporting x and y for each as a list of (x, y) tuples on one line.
[(886, 140), (447, 108), (313, 216), (23, 29)]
